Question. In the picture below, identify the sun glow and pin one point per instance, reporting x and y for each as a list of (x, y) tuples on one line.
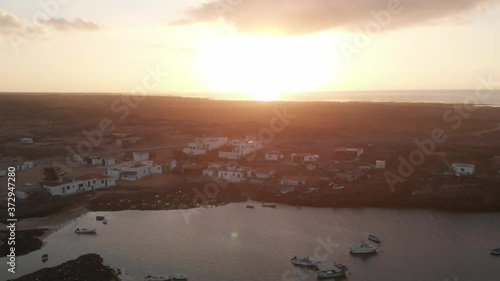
[(265, 67)]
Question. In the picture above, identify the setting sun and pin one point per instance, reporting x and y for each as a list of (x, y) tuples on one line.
[(265, 67)]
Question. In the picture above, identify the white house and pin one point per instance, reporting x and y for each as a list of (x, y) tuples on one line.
[(293, 180), (234, 174), (133, 171), (202, 145), (26, 140), (272, 156), (140, 156), (79, 184), (241, 147), (380, 164), (462, 168), (304, 158)]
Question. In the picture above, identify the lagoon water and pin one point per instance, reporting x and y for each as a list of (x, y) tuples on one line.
[(235, 243)]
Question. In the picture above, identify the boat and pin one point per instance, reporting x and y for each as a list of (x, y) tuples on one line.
[(364, 248), (269, 205), (374, 238), (309, 190), (307, 261), (495, 252), (105, 221), (99, 218), (250, 206), (180, 276), (85, 231), (45, 258), (158, 277), (337, 270)]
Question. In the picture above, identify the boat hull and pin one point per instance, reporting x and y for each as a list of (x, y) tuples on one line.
[(332, 273)]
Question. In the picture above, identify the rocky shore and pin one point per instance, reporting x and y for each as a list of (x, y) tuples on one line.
[(27, 241), (88, 267)]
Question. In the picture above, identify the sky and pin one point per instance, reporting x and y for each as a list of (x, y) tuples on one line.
[(246, 49)]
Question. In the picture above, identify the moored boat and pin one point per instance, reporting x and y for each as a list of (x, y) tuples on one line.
[(306, 261), (269, 205), (336, 271), (363, 248), (495, 252), (310, 189), (105, 221), (158, 277), (85, 231), (287, 190), (45, 258), (99, 218), (250, 206), (374, 238)]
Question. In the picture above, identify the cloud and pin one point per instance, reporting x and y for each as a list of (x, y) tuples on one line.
[(309, 16), (8, 20), (78, 24)]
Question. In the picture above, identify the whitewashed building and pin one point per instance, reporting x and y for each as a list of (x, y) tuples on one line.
[(293, 180), (380, 164), (132, 171), (272, 156), (304, 158), (140, 156), (27, 141), (79, 184), (462, 169), (241, 147), (263, 173), (202, 145)]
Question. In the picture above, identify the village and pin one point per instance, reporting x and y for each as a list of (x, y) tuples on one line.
[(337, 174)]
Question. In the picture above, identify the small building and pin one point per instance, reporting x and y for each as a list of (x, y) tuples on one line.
[(30, 191), (27, 141), (140, 156), (462, 169), (304, 158), (241, 147), (272, 156), (380, 164), (236, 175), (202, 145), (293, 180), (79, 184)]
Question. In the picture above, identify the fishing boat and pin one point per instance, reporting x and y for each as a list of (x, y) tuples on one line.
[(363, 248), (337, 270), (45, 258), (269, 205), (374, 238), (495, 252), (85, 231), (158, 277), (99, 218), (180, 276), (306, 261), (105, 221), (250, 206)]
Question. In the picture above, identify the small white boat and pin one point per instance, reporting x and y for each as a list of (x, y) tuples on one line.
[(158, 277), (374, 238), (180, 276), (287, 190), (309, 190), (85, 231), (364, 248), (269, 205), (337, 187), (306, 261)]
